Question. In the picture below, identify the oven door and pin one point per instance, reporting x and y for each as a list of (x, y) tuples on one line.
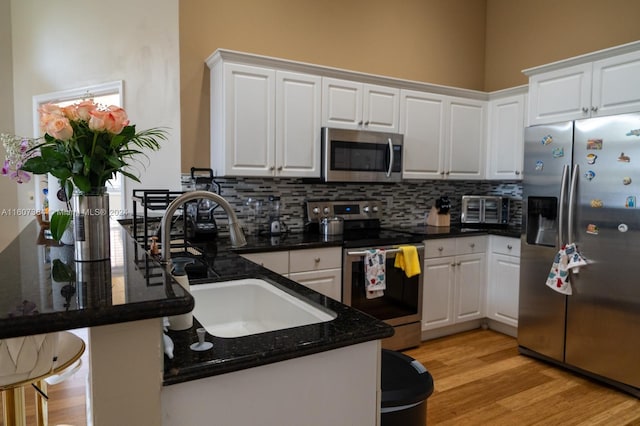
[(402, 299)]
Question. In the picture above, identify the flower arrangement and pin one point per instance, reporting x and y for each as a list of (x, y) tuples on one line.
[(85, 145)]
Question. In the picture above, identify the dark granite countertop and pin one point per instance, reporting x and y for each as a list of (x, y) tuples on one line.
[(231, 354), (129, 287)]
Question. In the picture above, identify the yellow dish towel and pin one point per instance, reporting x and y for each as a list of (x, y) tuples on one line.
[(407, 260)]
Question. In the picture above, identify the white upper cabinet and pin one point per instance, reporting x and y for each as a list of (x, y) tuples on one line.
[(352, 105), (422, 122), (444, 136), (466, 139), (264, 122), (242, 121), (506, 137), (298, 115), (582, 88)]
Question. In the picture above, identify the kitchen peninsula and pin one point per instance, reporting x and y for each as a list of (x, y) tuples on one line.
[(124, 315)]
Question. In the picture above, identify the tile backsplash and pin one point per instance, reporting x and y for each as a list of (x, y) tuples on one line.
[(406, 203)]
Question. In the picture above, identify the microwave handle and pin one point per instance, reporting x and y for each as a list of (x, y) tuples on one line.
[(390, 158)]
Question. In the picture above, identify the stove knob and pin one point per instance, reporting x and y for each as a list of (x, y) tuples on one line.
[(315, 210), (365, 209), (375, 209), (326, 210)]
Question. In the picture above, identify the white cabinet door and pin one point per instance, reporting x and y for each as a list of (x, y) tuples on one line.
[(298, 115), (506, 138), (351, 105), (560, 95), (466, 139), (341, 103), (616, 85), (422, 124), (381, 108), (469, 286), (276, 261), (438, 293), (503, 289), (324, 281), (249, 136)]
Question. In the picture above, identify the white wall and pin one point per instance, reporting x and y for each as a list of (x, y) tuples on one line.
[(66, 44), (8, 188)]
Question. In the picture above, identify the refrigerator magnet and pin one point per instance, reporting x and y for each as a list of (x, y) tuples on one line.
[(634, 132), (596, 203), (630, 202), (624, 158), (592, 229), (590, 175), (539, 166), (557, 152), (626, 180), (594, 144), (623, 227), (547, 140), (591, 158)]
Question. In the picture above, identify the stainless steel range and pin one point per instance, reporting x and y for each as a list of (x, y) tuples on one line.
[(400, 305)]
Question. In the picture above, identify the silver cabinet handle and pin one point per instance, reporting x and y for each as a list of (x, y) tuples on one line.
[(509, 246), (453, 264), (442, 173), (440, 248), (366, 123), (585, 110), (317, 260), (279, 168), (446, 173), (594, 108), (517, 172), (472, 245), (458, 264), (272, 168), (360, 123)]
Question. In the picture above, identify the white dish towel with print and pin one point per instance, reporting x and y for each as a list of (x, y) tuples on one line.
[(567, 258), (374, 272)]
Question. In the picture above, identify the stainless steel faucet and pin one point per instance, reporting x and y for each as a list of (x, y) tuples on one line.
[(235, 231)]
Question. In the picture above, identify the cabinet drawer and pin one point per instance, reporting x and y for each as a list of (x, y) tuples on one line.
[(277, 261), (469, 245), (505, 245), (440, 247), (315, 259)]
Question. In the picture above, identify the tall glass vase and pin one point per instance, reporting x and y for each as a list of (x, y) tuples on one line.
[(91, 225)]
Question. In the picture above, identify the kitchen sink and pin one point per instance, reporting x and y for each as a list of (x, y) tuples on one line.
[(251, 306)]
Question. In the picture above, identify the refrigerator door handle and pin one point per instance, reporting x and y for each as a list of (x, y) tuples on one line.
[(572, 203), (563, 196)]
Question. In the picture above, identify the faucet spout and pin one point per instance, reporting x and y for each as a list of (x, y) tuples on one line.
[(235, 231)]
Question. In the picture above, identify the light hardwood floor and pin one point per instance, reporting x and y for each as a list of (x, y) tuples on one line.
[(480, 379)]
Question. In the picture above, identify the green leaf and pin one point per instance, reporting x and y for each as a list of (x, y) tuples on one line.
[(36, 165), (82, 182), (130, 176), (60, 221), (61, 272)]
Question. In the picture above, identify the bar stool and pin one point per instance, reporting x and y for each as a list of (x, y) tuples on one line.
[(30, 360)]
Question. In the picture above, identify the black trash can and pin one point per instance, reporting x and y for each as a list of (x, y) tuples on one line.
[(406, 385)]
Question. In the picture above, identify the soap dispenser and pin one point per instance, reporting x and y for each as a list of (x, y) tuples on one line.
[(182, 321)]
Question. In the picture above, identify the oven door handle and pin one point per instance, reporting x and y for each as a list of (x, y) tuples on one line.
[(389, 170), (390, 251)]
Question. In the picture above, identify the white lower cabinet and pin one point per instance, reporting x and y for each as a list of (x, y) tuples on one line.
[(320, 269), (503, 280), (454, 281)]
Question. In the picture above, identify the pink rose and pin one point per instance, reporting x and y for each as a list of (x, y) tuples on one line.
[(59, 128), (50, 109), (71, 112), (118, 120), (113, 120), (98, 119), (84, 109)]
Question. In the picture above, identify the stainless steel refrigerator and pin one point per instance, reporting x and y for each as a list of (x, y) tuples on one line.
[(581, 184)]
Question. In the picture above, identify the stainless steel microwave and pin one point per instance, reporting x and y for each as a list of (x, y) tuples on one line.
[(487, 209), (361, 156)]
